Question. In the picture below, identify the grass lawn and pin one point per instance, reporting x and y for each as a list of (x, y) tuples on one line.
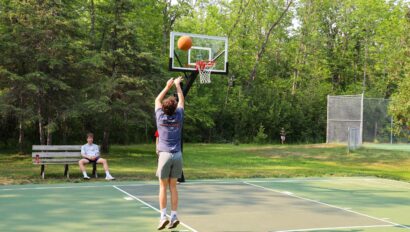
[(206, 161)]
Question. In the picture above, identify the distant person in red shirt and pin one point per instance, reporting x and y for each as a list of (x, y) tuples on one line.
[(156, 139)]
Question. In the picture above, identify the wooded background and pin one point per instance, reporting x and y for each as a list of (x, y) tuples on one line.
[(72, 66)]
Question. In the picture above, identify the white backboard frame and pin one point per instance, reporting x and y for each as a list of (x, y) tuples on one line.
[(191, 61)]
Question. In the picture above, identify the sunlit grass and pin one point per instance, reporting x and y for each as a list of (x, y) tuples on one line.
[(207, 161)]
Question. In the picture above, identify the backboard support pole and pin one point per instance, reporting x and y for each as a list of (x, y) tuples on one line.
[(185, 89)]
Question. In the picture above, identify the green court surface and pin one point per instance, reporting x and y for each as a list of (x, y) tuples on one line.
[(301, 204), (388, 146)]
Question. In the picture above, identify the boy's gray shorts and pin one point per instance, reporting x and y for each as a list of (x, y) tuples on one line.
[(169, 165)]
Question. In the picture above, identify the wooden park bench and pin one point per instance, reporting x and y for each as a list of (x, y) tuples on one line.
[(58, 154)]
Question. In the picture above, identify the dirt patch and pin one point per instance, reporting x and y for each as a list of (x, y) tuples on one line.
[(6, 181)]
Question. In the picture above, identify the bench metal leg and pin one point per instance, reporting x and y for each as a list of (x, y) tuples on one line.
[(42, 171), (66, 171), (95, 170)]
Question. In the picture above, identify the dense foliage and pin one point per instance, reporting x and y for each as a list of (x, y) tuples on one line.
[(72, 66)]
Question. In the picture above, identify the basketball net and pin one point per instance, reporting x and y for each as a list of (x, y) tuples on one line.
[(205, 68)]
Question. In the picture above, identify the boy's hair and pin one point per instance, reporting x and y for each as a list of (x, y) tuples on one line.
[(169, 105), (90, 135)]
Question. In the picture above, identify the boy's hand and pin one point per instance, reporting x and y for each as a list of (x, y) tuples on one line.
[(170, 82), (178, 80)]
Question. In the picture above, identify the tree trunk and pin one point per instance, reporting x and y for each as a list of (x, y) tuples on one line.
[(265, 42), (354, 72), (40, 125), (114, 46), (92, 19), (299, 59), (49, 132), (105, 144), (126, 129), (365, 66), (146, 132), (21, 131), (295, 78), (165, 28), (240, 14), (375, 132), (64, 130), (21, 136)]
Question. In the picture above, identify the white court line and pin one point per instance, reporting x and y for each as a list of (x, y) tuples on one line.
[(333, 179), (186, 183), (395, 181), (71, 187), (59, 187), (150, 206), (120, 185), (240, 181), (289, 179), (334, 228), (329, 205), (392, 183), (195, 182)]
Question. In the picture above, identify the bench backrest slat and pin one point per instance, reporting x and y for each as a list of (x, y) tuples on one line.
[(56, 148), (56, 154)]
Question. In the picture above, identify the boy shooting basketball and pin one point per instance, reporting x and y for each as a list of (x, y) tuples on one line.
[(169, 118)]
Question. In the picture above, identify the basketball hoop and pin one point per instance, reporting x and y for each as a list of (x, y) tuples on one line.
[(205, 68)]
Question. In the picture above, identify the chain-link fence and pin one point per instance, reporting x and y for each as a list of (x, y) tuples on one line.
[(353, 139), (377, 123), (343, 112), (369, 115)]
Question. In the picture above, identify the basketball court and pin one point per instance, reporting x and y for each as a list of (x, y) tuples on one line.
[(387, 146), (332, 204), (258, 205), (302, 204)]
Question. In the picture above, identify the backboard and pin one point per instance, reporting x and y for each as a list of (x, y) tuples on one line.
[(204, 47)]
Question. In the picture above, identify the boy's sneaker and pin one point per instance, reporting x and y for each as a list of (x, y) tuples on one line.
[(174, 223), (109, 177), (86, 177), (163, 223)]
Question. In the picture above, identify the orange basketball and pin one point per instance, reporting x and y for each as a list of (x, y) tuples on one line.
[(184, 43)]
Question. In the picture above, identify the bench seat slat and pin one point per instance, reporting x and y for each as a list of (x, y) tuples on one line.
[(56, 154), (57, 160), (55, 163)]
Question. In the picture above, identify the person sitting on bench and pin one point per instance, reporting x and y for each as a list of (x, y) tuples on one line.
[(91, 154)]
